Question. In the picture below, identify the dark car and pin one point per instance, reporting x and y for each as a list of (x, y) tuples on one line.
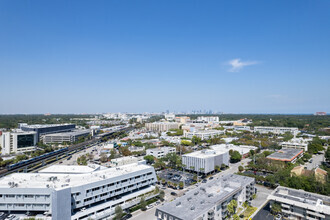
[(204, 181), (173, 193), (211, 178), (127, 216)]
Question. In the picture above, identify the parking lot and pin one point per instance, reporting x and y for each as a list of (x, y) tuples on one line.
[(175, 176)]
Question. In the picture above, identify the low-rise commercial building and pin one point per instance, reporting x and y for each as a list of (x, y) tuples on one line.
[(123, 161), (66, 192), (69, 137), (204, 161), (296, 143), (287, 155), (182, 119), (161, 151), (275, 130), (161, 126), (242, 149), (208, 119), (203, 134), (18, 141), (210, 200), (170, 117), (299, 204), (47, 129)]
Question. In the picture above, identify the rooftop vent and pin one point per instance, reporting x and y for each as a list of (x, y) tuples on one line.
[(189, 198), (192, 208), (178, 203), (210, 195), (203, 201), (196, 193)]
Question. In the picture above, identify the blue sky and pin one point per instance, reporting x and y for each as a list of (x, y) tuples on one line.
[(234, 56)]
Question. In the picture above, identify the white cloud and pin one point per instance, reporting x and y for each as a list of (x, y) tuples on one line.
[(237, 64)]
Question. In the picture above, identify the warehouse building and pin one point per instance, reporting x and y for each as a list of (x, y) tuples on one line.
[(210, 200), (299, 204), (68, 192), (69, 137), (204, 161)]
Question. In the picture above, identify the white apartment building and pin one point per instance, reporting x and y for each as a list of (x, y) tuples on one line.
[(161, 126), (203, 134), (210, 200), (160, 152), (299, 204), (170, 117), (18, 141), (275, 130), (205, 161), (69, 137), (123, 161), (208, 119), (76, 192)]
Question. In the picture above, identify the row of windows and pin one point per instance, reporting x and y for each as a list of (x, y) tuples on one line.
[(108, 193), (25, 196), (111, 184), (23, 205)]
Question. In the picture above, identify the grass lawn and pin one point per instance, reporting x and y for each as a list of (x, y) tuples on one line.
[(249, 211)]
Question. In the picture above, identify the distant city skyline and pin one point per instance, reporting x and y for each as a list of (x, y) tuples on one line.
[(149, 56)]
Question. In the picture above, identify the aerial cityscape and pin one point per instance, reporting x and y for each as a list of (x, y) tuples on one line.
[(164, 110)]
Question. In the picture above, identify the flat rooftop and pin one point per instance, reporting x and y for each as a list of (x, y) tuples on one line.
[(44, 126), (207, 131), (285, 154), (72, 169), (242, 149), (71, 133), (206, 153), (306, 198), (162, 148), (203, 198), (66, 179)]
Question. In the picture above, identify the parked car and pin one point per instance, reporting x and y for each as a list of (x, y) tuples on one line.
[(173, 193)]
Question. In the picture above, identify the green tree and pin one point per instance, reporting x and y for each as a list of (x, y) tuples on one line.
[(143, 204), (235, 157), (161, 195), (112, 154), (235, 217), (196, 140), (240, 169), (231, 207), (287, 136), (181, 185), (150, 159), (327, 155), (118, 213), (103, 158), (276, 208)]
